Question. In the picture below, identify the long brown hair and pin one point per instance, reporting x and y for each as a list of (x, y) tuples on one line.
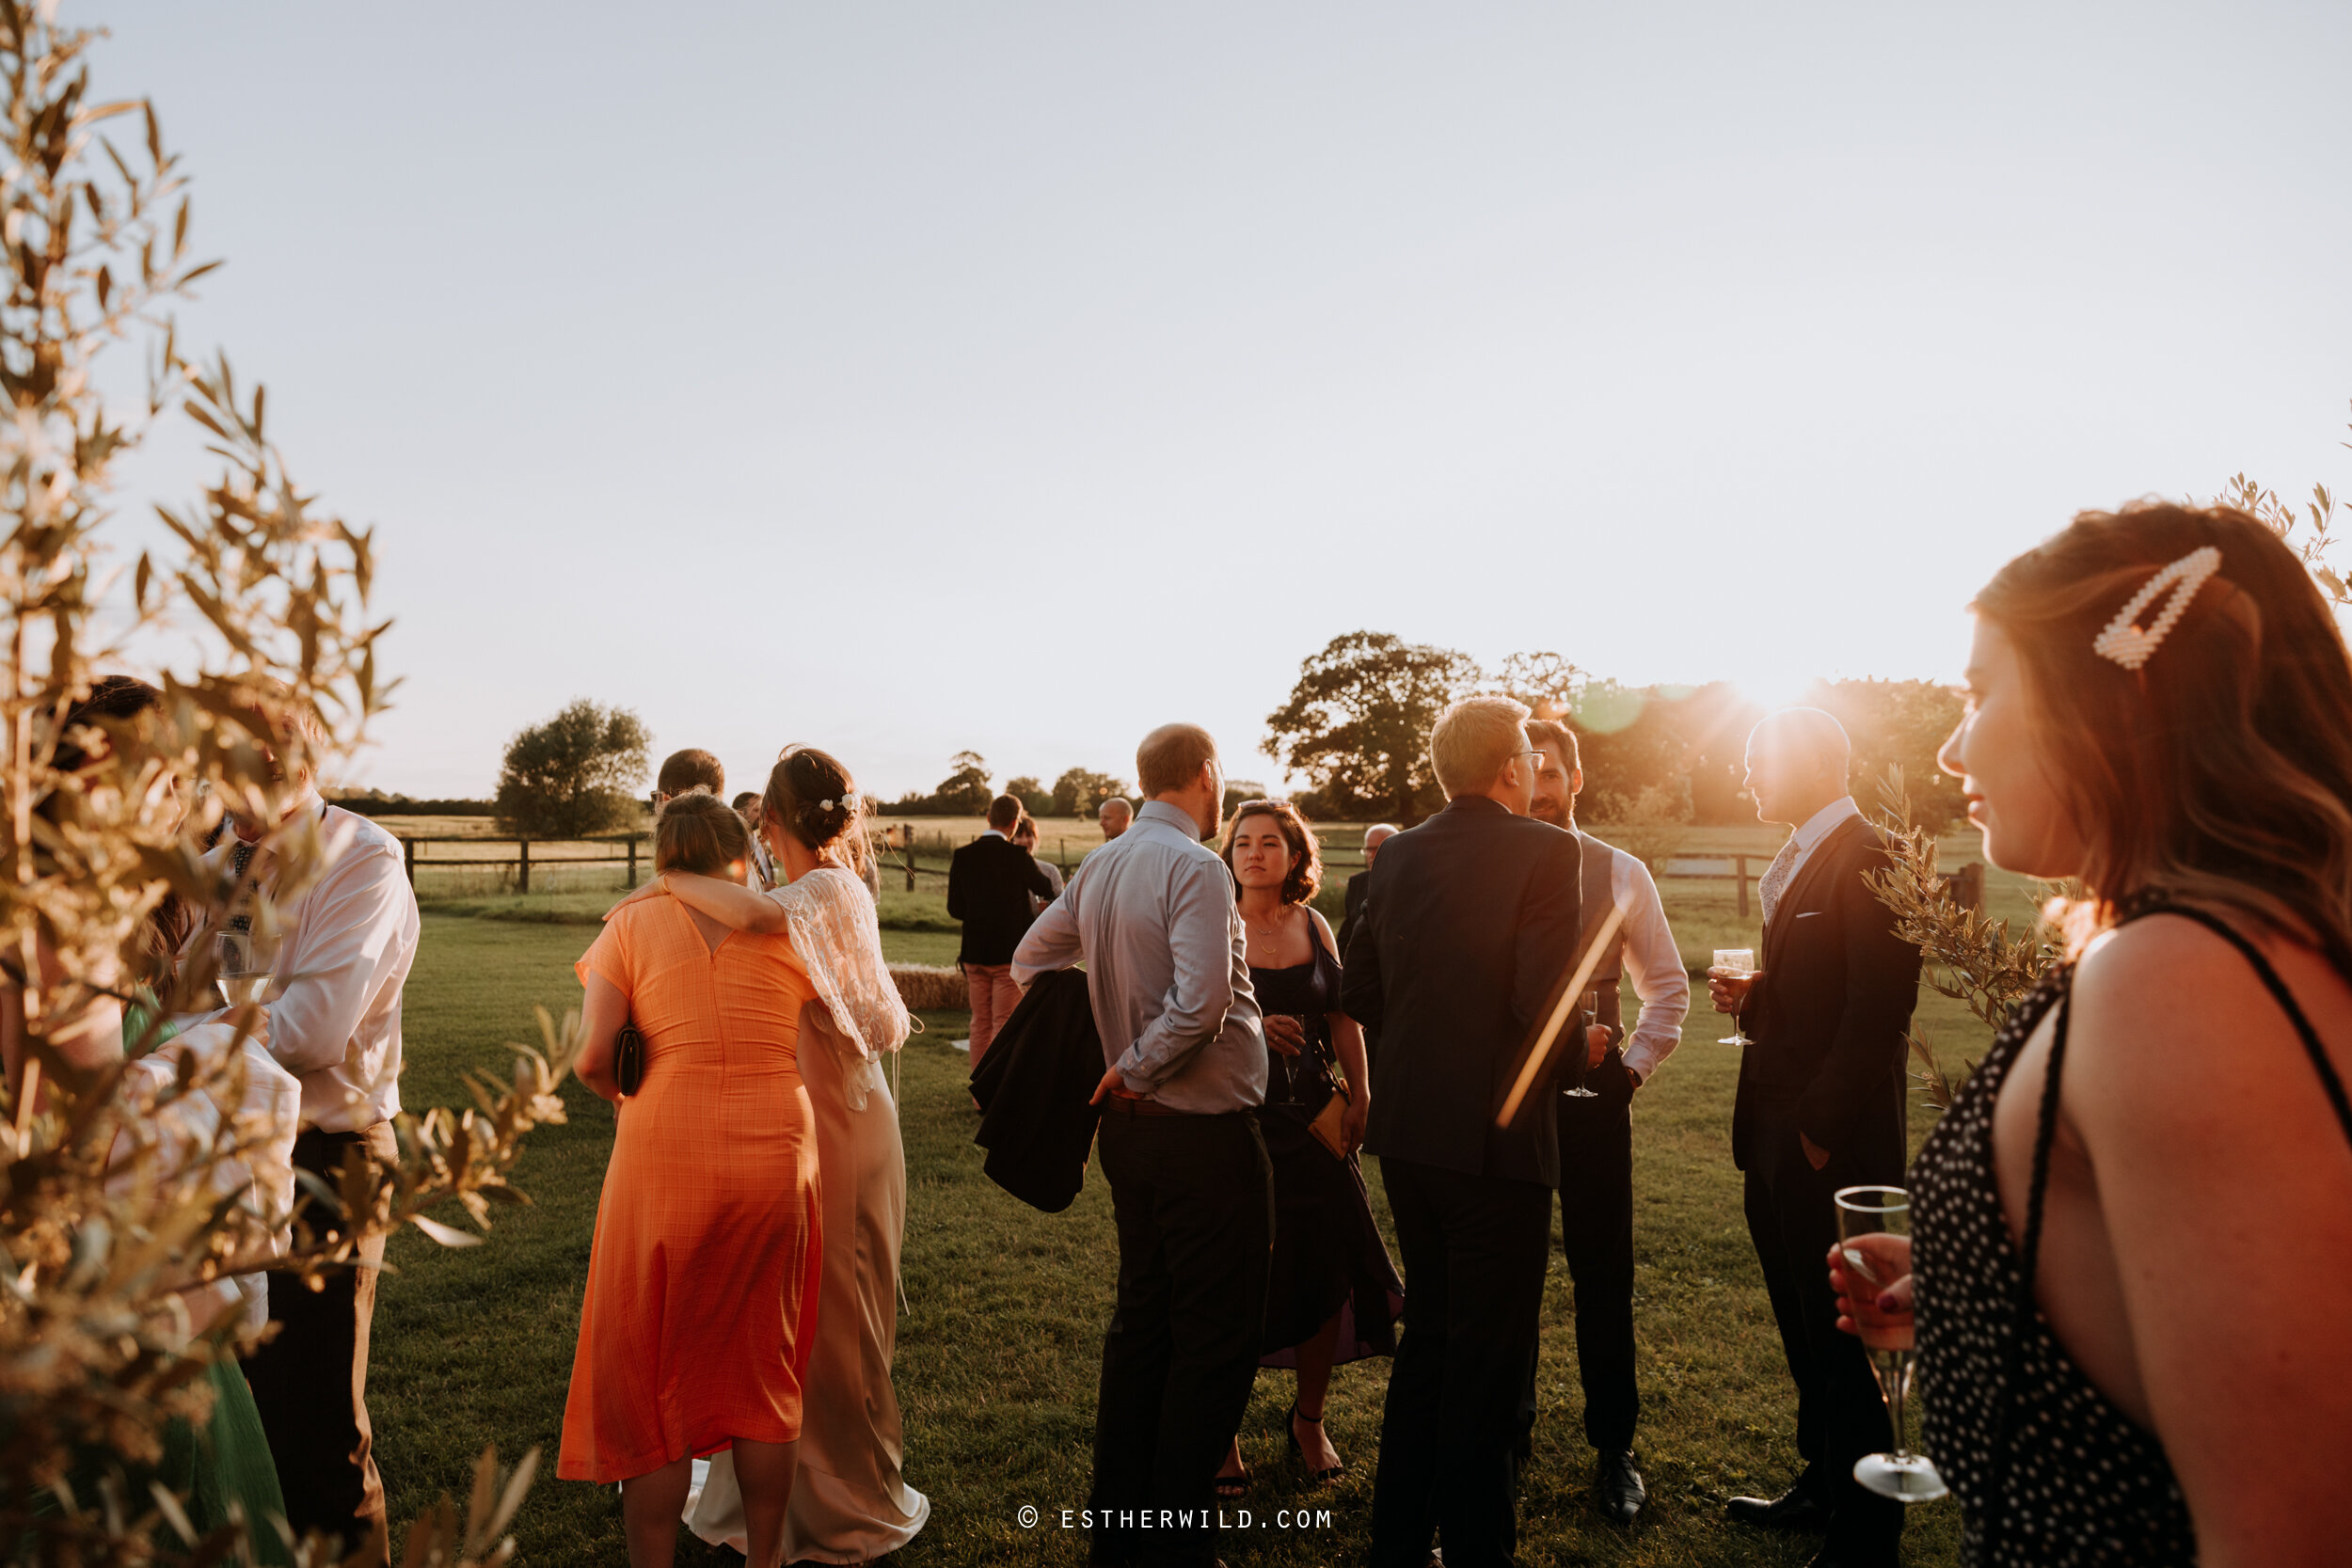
[(1306, 872), (2220, 772)]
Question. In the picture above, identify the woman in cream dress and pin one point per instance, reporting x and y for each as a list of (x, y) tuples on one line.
[(849, 1503)]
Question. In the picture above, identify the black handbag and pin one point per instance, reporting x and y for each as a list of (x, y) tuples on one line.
[(628, 1058)]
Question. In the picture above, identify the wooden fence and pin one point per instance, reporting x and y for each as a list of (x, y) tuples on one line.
[(520, 862)]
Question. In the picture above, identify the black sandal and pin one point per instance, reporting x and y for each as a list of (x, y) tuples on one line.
[(1232, 1487), (1321, 1478)]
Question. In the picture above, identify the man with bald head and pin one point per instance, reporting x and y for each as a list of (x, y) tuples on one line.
[(1821, 1106), (1115, 816), (1375, 837)]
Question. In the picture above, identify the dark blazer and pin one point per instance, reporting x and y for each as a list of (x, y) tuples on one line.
[(1035, 1087), (1357, 886), (1831, 1015), (1468, 932), (989, 883)]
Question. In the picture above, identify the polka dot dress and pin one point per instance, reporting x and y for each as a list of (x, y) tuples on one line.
[(2062, 1477)]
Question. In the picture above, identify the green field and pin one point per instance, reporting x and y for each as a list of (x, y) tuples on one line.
[(997, 1351)]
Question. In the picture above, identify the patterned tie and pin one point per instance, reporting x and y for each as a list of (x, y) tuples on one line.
[(1776, 877), (240, 858)]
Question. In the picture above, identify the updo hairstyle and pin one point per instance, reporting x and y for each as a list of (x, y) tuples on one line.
[(1306, 873), (2220, 772), (700, 833), (812, 797)]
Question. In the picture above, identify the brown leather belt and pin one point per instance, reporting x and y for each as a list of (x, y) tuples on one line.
[(1135, 1105)]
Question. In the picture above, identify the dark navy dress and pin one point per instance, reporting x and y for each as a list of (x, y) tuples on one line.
[(1328, 1255)]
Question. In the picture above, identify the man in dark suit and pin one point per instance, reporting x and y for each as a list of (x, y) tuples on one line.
[(1821, 1106), (1360, 883), (989, 883), (1468, 933)]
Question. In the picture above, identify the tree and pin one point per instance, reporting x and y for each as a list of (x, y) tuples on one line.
[(1900, 724), (1356, 726), (1034, 797), (1080, 792), (577, 774), (265, 594), (965, 791), (1548, 683)]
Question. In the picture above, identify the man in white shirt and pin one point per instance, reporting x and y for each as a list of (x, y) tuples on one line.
[(334, 1023), (1597, 1134)]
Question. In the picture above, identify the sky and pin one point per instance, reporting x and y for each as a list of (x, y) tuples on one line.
[(904, 378)]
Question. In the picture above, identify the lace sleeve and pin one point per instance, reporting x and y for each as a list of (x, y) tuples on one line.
[(837, 934)]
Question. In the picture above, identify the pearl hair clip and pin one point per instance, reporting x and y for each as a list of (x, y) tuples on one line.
[(2125, 641)]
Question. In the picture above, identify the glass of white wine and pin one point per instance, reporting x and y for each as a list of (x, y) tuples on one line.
[(1863, 1211), (241, 967), (1733, 963)]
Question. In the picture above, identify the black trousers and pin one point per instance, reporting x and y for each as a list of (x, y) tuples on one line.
[(1194, 1200), (1597, 1233), (1841, 1415), (310, 1381), (1475, 1249)]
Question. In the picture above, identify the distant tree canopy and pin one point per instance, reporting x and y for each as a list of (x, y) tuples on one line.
[(1357, 724), (964, 792), (1034, 797), (1357, 727), (1080, 792), (576, 774)]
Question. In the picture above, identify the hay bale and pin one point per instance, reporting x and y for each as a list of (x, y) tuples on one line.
[(925, 988)]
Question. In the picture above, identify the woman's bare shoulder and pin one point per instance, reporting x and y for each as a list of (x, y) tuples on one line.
[(2164, 1002)]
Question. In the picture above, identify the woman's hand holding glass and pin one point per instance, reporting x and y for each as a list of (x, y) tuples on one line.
[(1882, 1304)]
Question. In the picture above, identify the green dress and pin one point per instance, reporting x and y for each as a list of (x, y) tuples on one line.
[(230, 1457)]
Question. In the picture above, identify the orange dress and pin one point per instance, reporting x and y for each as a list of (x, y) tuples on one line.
[(703, 1281)]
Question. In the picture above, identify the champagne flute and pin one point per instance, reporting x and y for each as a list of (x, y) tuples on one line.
[(1904, 1476), (1734, 963), (1582, 1055)]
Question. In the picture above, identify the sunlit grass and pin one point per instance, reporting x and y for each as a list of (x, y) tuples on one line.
[(998, 1350)]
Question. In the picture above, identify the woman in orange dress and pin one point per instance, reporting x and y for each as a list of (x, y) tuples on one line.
[(703, 1283)]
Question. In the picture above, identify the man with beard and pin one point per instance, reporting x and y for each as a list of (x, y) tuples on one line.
[(1597, 1134)]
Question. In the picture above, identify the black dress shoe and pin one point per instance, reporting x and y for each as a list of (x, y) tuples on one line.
[(1622, 1493), (1793, 1509)]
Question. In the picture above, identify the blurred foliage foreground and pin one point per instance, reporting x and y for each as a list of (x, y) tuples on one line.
[(104, 1223)]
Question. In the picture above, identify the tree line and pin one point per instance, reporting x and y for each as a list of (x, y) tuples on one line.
[(1356, 726)]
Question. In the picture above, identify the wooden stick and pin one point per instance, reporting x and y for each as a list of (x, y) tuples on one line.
[(1534, 1064)]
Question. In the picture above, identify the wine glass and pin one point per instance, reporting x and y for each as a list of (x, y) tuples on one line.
[(1904, 1476), (241, 967), (1733, 963), (1581, 1054)]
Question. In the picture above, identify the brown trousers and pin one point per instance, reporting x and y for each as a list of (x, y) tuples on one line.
[(310, 1380), (994, 997)]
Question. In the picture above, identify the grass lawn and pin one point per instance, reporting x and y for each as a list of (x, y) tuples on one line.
[(997, 1351)]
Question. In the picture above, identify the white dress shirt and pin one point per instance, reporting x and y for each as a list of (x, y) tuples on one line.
[(1652, 964), (349, 938)]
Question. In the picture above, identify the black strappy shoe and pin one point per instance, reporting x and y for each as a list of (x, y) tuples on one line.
[(1321, 1478), (1234, 1487)]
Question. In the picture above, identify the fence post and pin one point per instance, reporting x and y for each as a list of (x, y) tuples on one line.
[(522, 877), (408, 860), (1740, 862)]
